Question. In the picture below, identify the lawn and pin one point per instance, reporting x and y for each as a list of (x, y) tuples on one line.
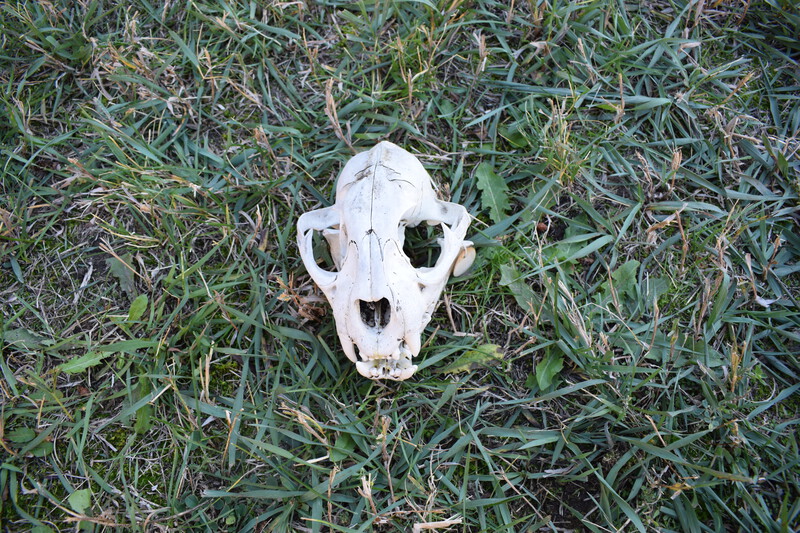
[(624, 355)]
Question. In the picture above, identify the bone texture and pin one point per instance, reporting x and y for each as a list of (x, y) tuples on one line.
[(381, 303)]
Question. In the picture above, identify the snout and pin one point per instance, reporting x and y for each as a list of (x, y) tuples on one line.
[(376, 327)]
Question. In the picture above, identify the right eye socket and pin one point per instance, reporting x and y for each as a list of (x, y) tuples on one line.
[(325, 245)]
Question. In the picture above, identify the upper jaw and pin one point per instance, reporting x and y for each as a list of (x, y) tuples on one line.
[(397, 367)]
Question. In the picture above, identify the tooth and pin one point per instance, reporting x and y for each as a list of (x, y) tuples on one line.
[(393, 369), (407, 373), (350, 351), (413, 345), (365, 368)]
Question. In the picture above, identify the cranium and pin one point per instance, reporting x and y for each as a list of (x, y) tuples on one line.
[(381, 302)]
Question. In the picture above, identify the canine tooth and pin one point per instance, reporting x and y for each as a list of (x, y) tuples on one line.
[(413, 344), (350, 351), (365, 368), (407, 373)]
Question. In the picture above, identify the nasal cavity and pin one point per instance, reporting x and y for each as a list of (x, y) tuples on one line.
[(375, 314)]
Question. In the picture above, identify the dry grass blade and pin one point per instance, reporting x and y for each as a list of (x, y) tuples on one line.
[(330, 111)]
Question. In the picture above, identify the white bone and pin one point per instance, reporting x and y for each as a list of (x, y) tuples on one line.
[(464, 260), (381, 303)]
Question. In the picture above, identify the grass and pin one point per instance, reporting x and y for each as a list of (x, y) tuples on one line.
[(167, 364)]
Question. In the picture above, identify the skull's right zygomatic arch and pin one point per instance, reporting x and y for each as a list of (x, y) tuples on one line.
[(381, 302)]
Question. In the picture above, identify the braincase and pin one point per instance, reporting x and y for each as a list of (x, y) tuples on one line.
[(387, 159), (382, 188)]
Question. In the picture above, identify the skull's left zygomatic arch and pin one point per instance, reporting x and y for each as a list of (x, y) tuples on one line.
[(381, 302)]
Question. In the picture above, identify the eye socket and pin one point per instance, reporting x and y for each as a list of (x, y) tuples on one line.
[(421, 244), (322, 249)]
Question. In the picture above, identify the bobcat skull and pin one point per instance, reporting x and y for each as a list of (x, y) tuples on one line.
[(381, 302)]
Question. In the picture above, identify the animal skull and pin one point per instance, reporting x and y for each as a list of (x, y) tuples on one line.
[(381, 302)]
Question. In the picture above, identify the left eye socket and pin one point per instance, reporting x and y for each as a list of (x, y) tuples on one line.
[(421, 244)]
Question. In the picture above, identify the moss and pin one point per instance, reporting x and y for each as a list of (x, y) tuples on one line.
[(224, 377), (118, 437)]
